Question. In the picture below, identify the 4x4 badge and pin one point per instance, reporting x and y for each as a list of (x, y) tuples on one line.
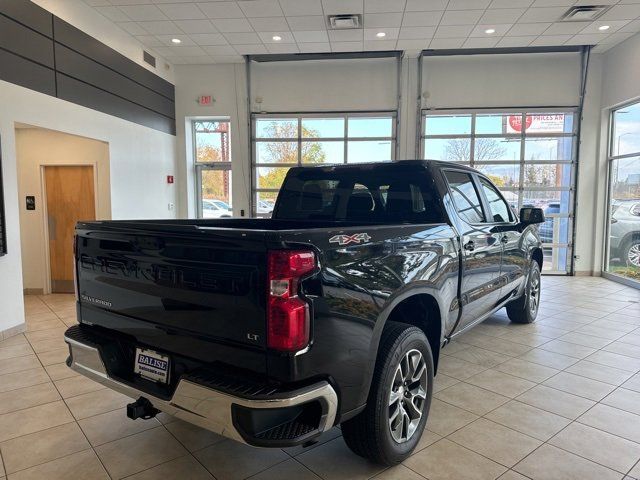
[(347, 239)]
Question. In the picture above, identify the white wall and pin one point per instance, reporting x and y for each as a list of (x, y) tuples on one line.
[(622, 73), (81, 16), (38, 147), (140, 158)]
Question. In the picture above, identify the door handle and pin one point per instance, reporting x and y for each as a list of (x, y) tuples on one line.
[(469, 246)]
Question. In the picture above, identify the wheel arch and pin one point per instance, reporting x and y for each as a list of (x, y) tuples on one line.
[(538, 256)]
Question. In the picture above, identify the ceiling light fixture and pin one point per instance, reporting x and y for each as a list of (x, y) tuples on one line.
[(381, 34), (489, 31), (276, 38), (603, 28), (176, 40)]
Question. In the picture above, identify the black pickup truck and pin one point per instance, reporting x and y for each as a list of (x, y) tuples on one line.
[(333, 311)]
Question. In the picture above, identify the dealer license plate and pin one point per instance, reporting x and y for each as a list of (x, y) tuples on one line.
[(151, 365)]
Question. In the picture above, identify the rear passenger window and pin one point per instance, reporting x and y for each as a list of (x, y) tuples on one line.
[(499, 209), (465, 196)]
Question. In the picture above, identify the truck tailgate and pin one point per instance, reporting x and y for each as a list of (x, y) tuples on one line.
[(187, 281)]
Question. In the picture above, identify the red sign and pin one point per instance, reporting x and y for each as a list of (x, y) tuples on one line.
[(543, 123), (204, 100), (515, 122), (169, 179)]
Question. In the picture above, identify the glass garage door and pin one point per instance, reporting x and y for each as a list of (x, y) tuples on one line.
[(530, 156)]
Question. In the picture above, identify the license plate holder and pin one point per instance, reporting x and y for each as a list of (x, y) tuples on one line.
[(151, 365)]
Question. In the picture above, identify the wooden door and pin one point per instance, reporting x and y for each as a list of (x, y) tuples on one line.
[(70, 198)]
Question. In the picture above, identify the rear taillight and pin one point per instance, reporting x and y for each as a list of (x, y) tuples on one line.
[(287, 314)]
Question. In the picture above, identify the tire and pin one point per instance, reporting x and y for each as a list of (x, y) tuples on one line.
[(525, 308), (369, 434), (630, 254)]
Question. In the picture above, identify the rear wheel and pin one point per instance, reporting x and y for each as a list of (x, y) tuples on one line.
[(631, 253), (525, 308), (390, 426)]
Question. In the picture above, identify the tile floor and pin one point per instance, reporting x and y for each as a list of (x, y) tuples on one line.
[(559, 399)]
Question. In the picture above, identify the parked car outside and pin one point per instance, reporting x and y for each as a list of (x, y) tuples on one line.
[(624, 232), (215, 209)]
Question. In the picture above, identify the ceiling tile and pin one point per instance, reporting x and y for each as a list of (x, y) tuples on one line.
[(480, 30), (227, 59), (441, 43), (510, 3), (417, 44), (614, 26), (283, 48), (232, 25), (347, 46), (269, 24), (301, 7), (548, 14), (180, 51), (591, 39), (164, 27), (631, 27), (467, 4), (242, 38), (143, 12), (502, 15), (131, 2), (149, 40), (257, 49), (181, 11), (622, 12), (520, 29), (550, 40), (312, 36), (260, 8), (516, 41), (425, 5), (453, 31), (374, 20), (160, 1), (384, 6), (416, 33), (198, 60), (345, 35), (315, 47), (97, 3), (461, 17), (371, 34), (603, 2), (113, 13), (311, 22), (196, 26), (132, 28), (209, 38), (220, 50), (285, 37), (553, 3), (564, 28), (333, 7), (185, 41), (373, 45), (218, 10), (421, 19), (478, 42)]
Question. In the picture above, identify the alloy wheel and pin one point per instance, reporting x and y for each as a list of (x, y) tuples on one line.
[(633, 255), (408, 395), (534, 293)]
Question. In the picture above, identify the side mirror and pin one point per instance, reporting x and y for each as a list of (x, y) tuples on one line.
[(531, 216)]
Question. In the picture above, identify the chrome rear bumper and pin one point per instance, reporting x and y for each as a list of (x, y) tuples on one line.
[(202, 405)]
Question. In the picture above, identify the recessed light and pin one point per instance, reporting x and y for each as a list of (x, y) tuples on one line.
[(603, 27), (381, 34), (489, 31), (276, 38), (176, 40)]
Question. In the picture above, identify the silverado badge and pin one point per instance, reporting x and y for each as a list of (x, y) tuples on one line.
[(347, 239)]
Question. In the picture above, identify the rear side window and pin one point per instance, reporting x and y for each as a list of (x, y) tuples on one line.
[(358, 195), (500, 211), (465, 196)]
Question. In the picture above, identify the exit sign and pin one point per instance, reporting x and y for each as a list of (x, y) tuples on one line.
[(204, 100)]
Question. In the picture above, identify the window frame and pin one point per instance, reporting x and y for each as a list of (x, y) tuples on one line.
[(606, 255), (200, 167), (299, 139), (475, 184), (520, 189)]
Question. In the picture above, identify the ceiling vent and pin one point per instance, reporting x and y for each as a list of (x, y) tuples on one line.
[(584, 13), (344, 22), (148, 58)]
